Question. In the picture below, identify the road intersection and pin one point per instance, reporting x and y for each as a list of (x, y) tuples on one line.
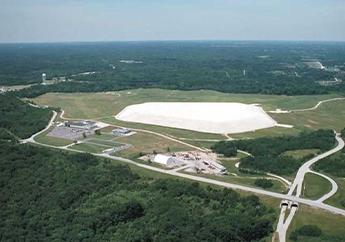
[(292, 198)]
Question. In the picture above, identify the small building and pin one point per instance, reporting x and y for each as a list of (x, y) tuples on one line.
[(84, 124), (44, 77), (121, 132), (167, 161)]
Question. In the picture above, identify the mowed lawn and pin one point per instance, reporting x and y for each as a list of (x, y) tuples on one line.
[(104, 106), (315, 186)]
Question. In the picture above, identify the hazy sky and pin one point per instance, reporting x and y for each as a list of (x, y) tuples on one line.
[(104, 20)]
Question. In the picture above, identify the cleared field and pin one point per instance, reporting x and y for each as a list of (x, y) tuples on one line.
[(300, 154), (329, 223), (53, 141), (315, 186), (329, 115), (103, 106), (208, 117), (103, 142), (273, 132), (90, 148), (148, 143)]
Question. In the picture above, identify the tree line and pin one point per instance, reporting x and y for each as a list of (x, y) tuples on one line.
[(21, 119), (268, 152), (49, 195)]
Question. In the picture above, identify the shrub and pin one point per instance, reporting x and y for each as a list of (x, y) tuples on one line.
[(264, 183)]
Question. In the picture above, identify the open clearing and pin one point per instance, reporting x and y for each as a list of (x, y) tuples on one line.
[(315, 186), (218, 118), (103, 106), (326, 221)]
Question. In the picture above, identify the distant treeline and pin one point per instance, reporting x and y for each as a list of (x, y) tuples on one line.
[(268, 152), (49, 195), (236, 67), (21, 119)]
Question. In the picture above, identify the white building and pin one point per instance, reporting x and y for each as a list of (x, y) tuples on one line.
[(85, 124), (167, 161), (44, 77), (121, 132)]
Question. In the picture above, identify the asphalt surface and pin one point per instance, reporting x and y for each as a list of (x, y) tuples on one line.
[(297, 186)]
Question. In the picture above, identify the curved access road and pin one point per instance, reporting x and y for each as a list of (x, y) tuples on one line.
[(31, 139), (298, 184), (330, 193), (318, 104)]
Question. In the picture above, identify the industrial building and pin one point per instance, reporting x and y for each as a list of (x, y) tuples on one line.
[(121, 132), (167, 161), (84, 124)]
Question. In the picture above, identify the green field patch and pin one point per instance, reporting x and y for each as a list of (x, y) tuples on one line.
[(103, 107), (271, 132), (89, 148), (329, 115), (53, 140), (329, 223), (338, 199), (143, 143), (300, 154), (103, 136), (315, 186), (104, 142)]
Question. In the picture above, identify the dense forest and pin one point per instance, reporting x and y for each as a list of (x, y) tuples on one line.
[(334, 165), (268, 152), (21, 119), (49, 195), (226, 66)]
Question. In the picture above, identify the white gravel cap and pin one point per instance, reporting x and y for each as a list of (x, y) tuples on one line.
[(219, 118)]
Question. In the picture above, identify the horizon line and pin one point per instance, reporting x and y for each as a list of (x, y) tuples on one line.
[(172, 40)]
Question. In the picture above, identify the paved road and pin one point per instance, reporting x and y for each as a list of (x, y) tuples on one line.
[(284, 227), (31, 139), (330, 193), (203, 179), (318, 104), (297, 187), (298, 182)]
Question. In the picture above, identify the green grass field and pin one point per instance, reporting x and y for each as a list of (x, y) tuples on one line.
[(315, 186), (148, 143), (103, 106), (329, 115), (90, 148), (300, 154), (329, 223), (338, 199)]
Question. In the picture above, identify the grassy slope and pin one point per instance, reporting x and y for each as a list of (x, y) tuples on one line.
[(299, 154), (328, 116)]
